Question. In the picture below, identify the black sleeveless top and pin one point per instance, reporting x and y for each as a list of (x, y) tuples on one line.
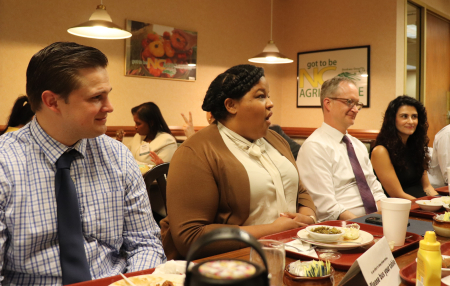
[(409, 178)]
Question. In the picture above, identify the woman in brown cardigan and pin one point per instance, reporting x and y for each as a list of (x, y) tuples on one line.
[(235, 172)]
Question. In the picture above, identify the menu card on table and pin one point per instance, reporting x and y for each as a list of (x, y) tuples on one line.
[(376, 267)]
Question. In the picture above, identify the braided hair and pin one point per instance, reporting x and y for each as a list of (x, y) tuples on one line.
[(417, 144), (233, 83)]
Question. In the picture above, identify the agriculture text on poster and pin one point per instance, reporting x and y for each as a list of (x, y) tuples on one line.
[(316, 67)]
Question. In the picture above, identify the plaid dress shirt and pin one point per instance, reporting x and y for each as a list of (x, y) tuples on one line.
[(120, 234)]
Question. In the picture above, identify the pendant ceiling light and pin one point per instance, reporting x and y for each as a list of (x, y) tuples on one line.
[(99, 26), (270, 54)]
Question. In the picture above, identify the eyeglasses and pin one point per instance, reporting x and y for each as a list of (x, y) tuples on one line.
[(350, 103)]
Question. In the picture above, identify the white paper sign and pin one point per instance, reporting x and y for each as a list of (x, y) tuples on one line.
[(377, 265)]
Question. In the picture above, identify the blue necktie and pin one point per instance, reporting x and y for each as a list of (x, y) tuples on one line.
[(73, 260), (364, 189)]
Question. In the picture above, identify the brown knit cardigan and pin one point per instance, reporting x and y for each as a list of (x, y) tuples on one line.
[(208, 188)]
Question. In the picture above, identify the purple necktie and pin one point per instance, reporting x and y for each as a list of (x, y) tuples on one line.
[(364, 189)]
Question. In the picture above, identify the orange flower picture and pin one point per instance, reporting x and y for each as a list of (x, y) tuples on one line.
[(158, 51)]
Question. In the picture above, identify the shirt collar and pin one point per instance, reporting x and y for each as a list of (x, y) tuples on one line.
[(52, 148), (335, 134)]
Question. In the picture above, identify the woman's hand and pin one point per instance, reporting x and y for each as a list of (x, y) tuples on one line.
[(188, 127), (285, 223), (155, 159), (120, 134), (299, 217)]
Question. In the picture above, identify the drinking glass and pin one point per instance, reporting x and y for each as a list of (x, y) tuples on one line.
[(275, 257)]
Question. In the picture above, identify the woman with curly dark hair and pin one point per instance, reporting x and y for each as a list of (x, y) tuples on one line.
[(400, 157)]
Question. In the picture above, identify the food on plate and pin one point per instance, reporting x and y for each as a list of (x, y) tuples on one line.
[(310, 268), (446, 200), (446, 216), (445, 262), (153, 280), (326, 230), (227, 269), (351, 231)]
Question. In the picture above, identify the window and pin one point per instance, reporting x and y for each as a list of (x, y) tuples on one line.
[(413, 51)]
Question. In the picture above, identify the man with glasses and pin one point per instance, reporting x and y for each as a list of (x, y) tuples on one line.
[(333, 165)]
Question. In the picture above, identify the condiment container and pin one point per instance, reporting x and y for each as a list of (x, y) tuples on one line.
[(226, 272), (429, 261)]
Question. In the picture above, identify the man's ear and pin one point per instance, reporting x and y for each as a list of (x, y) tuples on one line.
[(231, 105), (50, 100), (327, 104)]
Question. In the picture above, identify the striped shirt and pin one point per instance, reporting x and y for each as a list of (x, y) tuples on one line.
[(120, 234)]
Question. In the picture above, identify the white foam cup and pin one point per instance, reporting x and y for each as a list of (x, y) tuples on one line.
[(395, 214)]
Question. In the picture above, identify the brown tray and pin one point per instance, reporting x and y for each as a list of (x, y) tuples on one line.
[(109, 280), (443, 191), (408, 273), (348, 257), (418, 212)]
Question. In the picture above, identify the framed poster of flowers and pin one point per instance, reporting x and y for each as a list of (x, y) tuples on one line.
[(157, 51)]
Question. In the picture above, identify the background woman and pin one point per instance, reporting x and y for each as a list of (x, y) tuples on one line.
[(21, 114), (234, 172), (153, 142), (400, 157)]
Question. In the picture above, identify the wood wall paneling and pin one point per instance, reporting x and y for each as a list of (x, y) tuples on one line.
[(437, 72)]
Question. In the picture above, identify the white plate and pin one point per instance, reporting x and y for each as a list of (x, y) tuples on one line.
[(443, 200), (364, 238), (152, 280), (431, 206)]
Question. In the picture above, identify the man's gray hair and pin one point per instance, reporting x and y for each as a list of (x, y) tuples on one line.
[(329, 87)]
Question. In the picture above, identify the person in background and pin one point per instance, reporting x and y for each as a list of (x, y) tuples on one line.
[(153, 143), (400, 156), (440, 158), (73, 203), (334, 166), (234, 172), (188, 126), (21, 114), (295, 147), (188, 129)]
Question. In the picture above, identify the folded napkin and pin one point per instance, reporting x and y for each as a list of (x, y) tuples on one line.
[(171, 267), (302, 246)]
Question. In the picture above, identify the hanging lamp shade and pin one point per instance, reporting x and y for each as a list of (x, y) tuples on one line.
[(270, 55), (99, 26)]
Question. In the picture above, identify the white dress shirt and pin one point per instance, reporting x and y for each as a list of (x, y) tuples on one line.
[(327, 174), (263, 198), (440, 159)]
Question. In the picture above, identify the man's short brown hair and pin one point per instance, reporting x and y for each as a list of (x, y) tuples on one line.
[(56, 68)]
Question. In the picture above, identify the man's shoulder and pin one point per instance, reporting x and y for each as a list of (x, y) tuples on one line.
[(104, 143), (318, 137), (444, 132), (14, 140)]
